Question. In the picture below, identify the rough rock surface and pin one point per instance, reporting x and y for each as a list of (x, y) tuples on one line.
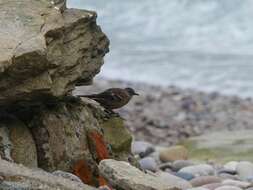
[(17, 177), (121, 175), (46, 52)]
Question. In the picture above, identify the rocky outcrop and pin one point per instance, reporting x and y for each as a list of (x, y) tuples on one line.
[(46, 52), (121, 175)]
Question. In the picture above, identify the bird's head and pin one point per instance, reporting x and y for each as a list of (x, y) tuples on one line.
[(131, 91)]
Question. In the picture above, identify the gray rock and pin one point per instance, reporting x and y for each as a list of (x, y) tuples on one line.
[(46, 53), (241, 184), (142, 148), (244, 169), (174, 180), (232, 165), (228, 187), (123, 176), (34, 179), (186, 176), (148, 163), (203, 180), (199, 170)]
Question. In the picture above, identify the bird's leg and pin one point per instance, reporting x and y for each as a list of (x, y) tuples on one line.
[(112, 113)]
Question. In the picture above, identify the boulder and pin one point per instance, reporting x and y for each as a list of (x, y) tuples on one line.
[(121, 175), (45, 52)]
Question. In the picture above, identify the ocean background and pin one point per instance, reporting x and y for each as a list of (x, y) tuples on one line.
[(201, 44)]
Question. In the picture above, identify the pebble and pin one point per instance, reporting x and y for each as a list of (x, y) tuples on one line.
[(244, 170), (203, 180), (227, 171), (141, 148), (236, 183), (174, 180), (173, 153), (232, 165), (199, 170), (227, 187), (183, 175), (179, 164), (229, 176), (212, 186), (148, 163), (198, 188)]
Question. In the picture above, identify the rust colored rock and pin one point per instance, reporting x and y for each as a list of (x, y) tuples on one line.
[(97, 141), (83, 171)]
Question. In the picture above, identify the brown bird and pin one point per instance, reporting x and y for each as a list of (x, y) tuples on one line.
[(113, 98)]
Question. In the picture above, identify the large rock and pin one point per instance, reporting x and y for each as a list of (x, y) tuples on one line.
[(16, 177), (45, 52), (121, 175)]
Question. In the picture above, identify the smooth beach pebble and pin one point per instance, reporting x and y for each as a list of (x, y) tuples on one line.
[(241, 184), (179, 164), (227, 171), (198, 188), (199, 170), (173, 153), (232, 165), (140, 147), (212, 186), (174, 180), (229, 176), (203, 180), (148, 163), (227, 187), (244, 170), (186, 176)]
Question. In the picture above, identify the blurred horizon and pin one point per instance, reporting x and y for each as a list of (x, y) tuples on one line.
[(205, 45)]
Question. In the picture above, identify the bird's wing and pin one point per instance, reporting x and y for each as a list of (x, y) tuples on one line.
[(109, 95)]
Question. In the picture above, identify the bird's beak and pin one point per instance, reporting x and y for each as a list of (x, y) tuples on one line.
[(136, 94)]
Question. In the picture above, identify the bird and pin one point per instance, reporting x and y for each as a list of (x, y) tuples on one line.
[(113, 98)]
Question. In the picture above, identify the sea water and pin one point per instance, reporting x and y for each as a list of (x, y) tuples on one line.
[(202, 44)]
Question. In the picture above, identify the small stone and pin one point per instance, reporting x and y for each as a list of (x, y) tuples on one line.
[(203, 180), (212, 186), (173, 153), (67, 175), (198, 188), (141, 147), (236, 183), (251, 188), (148, 163), (227, 171), (229, 176), (244, 170), (183, 175), (231, 165), (174, 180), (199, 170), (227, 187), (179, 164)]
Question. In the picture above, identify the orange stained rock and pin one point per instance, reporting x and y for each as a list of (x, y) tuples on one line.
[(82, 170), (100, 145)]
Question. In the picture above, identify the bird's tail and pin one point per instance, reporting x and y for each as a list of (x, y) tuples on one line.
[(91, 96)]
